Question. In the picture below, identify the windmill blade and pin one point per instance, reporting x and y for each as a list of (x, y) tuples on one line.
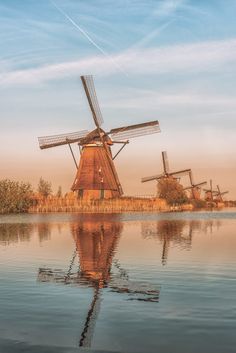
[(192, 186), (189, 187), (89, 88), (200, 184), (225, 192), (165, 162), (59, 140), (127, 132), (153, 177), (191, 178), (210, 190), (180, 172), (90, 322)]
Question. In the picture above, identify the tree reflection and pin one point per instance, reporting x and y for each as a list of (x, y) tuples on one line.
[(44, 231), (15, 232), (11, 233)]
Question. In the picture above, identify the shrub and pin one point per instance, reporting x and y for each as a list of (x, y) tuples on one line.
[(172, 191), (15, 197)]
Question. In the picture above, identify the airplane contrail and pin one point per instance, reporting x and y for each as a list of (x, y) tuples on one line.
[(85, 34)]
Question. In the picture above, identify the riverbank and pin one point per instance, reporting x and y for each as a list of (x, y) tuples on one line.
[(70, 203)]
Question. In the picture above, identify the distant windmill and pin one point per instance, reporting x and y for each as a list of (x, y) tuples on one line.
[(209, 193), (96, 174), (218, 195), (166, 172), (194, 188)]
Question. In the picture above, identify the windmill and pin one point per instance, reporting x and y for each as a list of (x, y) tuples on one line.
[(95, 245), (166, 171), (218, 195), (96, 173), (209, 193), (195, 188)]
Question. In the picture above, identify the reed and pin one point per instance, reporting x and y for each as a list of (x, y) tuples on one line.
[(70, 203)]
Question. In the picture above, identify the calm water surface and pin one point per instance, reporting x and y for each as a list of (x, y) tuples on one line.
[(118, 283)]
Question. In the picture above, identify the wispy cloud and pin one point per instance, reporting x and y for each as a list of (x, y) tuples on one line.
[(154, 100), (200, 57), (168, 7), (87, 36)]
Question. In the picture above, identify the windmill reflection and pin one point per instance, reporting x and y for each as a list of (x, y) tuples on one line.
[(177, 233), (169, 232), (96, 244)]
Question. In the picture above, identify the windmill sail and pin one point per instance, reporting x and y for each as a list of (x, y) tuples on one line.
[(191, 178), (92, 99), (165, 162), (131, 131), (195, 185), (62, 139), (180, 172), (153, 177)]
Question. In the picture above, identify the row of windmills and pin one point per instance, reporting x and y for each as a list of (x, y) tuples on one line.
[(193, 188), (96, 176)]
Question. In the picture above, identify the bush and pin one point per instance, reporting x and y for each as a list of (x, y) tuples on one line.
[(172, 191), (15, 197), (198, 203)]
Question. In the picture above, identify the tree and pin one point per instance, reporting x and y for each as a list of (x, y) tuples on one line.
[(59, 192), (15, 197), (44, 187), (170, 190)]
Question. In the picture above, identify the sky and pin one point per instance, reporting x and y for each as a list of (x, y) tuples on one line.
[(170, 60)]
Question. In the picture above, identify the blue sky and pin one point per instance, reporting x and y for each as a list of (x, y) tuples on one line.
[(172, 60)]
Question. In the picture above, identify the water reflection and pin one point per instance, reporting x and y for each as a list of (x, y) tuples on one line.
[(44, 231), (95, 245), (91, 262), (176, 233), (14, 233)]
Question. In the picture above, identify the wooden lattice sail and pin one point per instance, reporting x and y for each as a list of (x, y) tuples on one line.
[(96, 175)]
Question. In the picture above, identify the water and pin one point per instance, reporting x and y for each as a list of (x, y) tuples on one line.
[(118, 283)]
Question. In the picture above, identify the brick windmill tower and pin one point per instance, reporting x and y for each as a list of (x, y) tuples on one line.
[(96, 176)]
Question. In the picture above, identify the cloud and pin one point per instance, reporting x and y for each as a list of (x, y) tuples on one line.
[(154, 100), (168, 7), (206, 56)]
